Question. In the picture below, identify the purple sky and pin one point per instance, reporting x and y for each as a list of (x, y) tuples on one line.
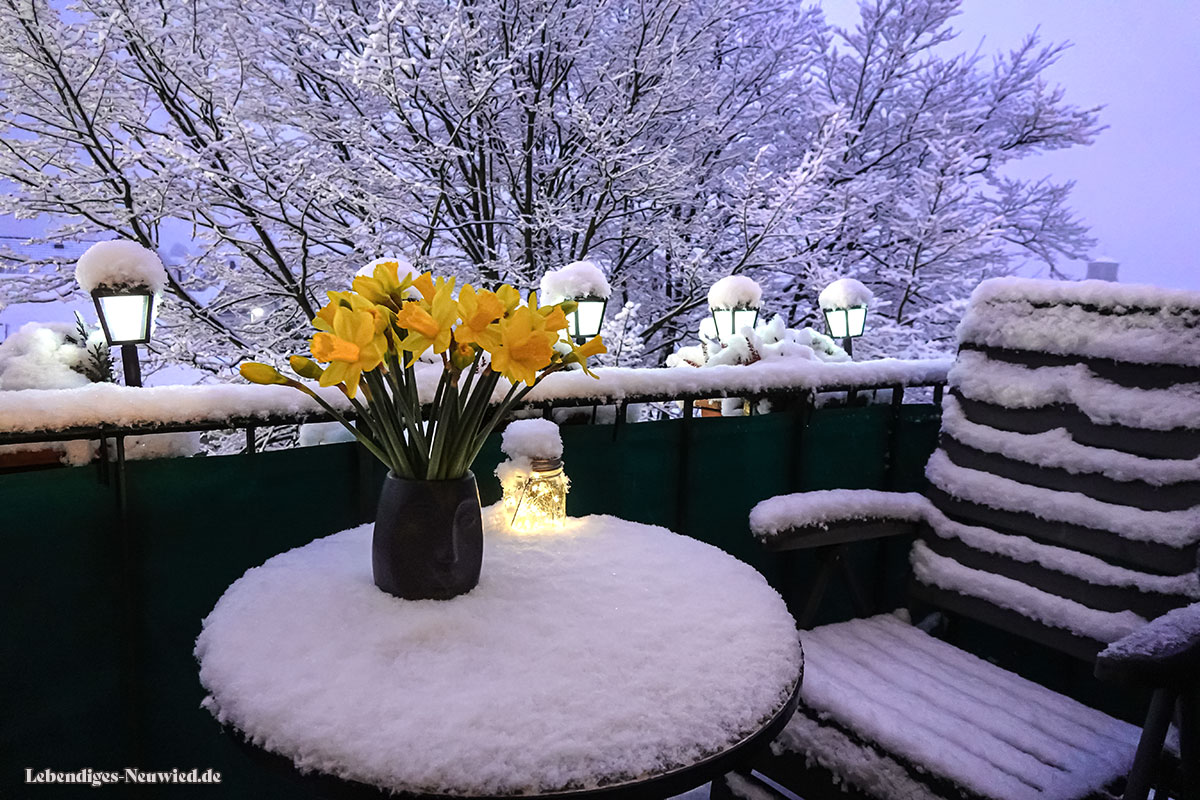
[(1138, 186)]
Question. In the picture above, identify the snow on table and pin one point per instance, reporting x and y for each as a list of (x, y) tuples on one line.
[(598, 654)]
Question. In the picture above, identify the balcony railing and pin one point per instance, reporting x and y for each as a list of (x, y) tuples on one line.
[(118, 563)]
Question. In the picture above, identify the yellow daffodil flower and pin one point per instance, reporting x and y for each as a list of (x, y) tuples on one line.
[(509, 297), (386, 287), (354, 347), (547, 318), (461, 355), (337, 300), (305, 367), (524, 347), (478, 310), (429, 326), (579, 355)]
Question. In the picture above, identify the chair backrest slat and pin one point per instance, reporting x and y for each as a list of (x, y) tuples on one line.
[(1069, 458)]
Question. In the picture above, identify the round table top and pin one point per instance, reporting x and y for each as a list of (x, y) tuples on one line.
[(591, 656)]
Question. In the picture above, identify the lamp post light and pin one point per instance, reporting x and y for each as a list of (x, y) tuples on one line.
[(584, 283), (124, 280), (126, 316), (734, 303), (844, 304), (584, 322)]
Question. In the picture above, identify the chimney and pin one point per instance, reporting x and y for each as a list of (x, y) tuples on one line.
[(1102, 269)]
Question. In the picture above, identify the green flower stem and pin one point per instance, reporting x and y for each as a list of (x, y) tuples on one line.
[(385, 431), (365, 440), (447, 420), (403, 396)]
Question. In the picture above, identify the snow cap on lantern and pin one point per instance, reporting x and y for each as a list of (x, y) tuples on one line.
[(118, 264), (534, 485), (845, 293), (532, 438), (734, 301), (576, 280), (583, 282)]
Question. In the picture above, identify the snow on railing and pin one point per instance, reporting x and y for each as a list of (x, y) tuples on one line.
[(36, 414)]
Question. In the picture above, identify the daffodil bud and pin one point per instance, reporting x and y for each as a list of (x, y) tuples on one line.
[(306, 367), (261, 373)]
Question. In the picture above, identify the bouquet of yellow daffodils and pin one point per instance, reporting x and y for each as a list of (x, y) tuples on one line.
[(371, 337)]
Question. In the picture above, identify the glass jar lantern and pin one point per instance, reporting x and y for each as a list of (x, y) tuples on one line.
[(541, 500)]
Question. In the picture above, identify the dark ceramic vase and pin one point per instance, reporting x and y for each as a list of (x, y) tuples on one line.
[(428, 542)]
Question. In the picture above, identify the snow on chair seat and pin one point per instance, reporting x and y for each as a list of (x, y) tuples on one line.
[(897, 713)]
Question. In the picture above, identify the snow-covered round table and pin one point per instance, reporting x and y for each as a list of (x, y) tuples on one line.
[(598, 659)]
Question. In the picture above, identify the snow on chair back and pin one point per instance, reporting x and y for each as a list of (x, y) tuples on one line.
[(1066, 484)]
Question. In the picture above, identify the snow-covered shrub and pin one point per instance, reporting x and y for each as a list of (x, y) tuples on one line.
[(768, 341), (43, 356)]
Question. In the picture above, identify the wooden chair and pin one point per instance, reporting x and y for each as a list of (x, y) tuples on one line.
[(1063, 507)]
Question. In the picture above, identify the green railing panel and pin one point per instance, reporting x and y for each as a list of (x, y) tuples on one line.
[(61, 662)]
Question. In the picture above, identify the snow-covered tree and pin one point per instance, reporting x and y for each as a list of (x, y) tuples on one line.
[(677, 141), (919, 205)]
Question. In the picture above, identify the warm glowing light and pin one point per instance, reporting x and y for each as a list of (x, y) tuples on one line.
[(539, 501)]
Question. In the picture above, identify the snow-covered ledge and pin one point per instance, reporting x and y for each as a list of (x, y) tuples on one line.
[(117, 407)]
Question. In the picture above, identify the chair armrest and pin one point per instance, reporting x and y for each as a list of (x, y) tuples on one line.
[(1163, 653), (815, 519)]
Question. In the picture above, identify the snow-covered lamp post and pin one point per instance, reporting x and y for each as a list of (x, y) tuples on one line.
[(534, 484), (124, 280), (583, 282), (734, 302), (844, 303)]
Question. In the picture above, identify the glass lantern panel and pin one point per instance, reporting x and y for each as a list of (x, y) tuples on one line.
[(744, 318), (857, 320), (590, 315), (127, 317), (723, 318), (837, 321)]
